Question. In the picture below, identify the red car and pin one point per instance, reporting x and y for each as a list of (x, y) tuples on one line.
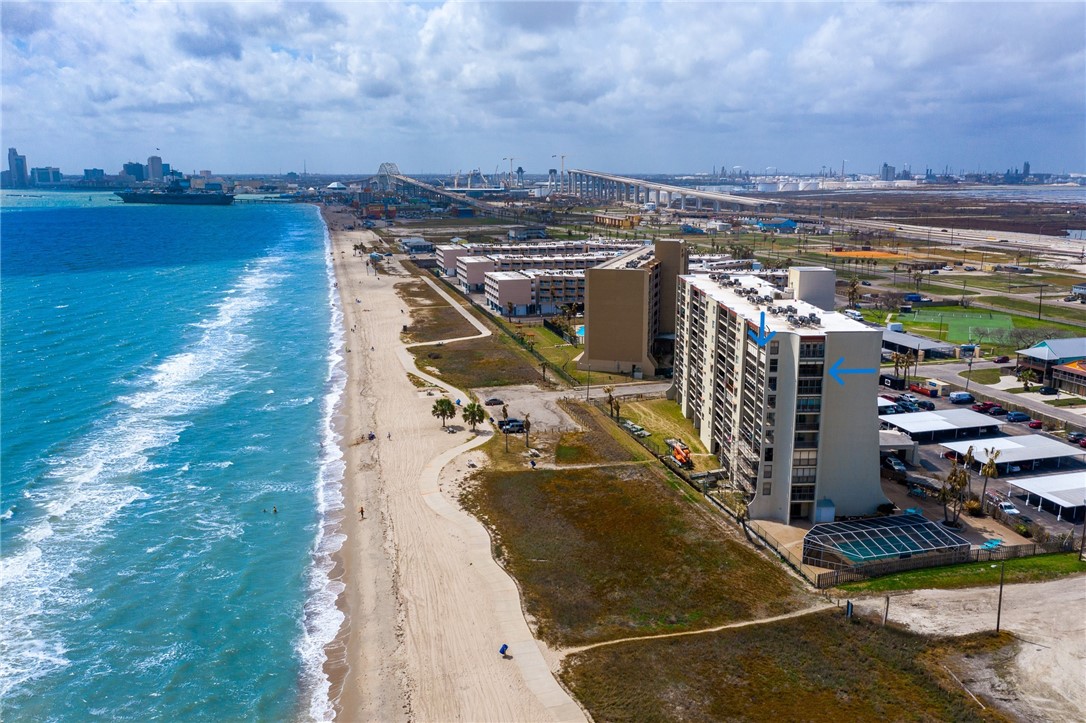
[(982, 407), (1036, 424), (1082, 443)]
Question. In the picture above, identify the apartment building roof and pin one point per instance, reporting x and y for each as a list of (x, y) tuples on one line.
[(750, 296), (537, 274), (633, 259)]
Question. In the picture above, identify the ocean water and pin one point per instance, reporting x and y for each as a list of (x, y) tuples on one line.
[(169, 379)]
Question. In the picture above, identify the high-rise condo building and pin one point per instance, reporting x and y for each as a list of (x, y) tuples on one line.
[(787, 432), (630, 309)]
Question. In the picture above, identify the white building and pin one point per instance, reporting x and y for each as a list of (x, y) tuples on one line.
[(775, 415)]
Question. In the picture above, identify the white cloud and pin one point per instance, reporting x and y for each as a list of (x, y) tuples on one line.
[(625, 86)]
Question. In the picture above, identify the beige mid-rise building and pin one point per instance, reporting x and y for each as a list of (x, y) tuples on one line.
[(788, 433), (630, 309)]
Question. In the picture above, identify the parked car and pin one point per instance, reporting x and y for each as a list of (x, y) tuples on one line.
[(503, 423), (1082, 443), (889, 397), (1008, 509), (934, 272), (1017, 417), (950, 454), (1076, 437), (493, 402), (865, 283), (1047, 390), (1072, 297), (895, 464), (909, 398), (970, 268), (948, 268), (1013, 469), (1036, 424), (997, 411), (1025, 520), (982, 407), (961, 398), (1001, 359), (908, 407), (926, 405)]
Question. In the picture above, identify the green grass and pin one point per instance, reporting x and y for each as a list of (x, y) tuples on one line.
[(975, 574), (606, 552), (560, 353), (821, 667), (1065, 402), (664, 418), (490, 361), (983, 376), (1051, 308)]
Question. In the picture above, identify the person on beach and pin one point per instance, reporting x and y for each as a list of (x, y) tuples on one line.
[(361, 512)]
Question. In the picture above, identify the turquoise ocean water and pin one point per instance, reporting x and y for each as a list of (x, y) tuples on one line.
[(169, 377)]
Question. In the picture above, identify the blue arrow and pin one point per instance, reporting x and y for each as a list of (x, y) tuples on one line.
[(836, 371), (761, 337)]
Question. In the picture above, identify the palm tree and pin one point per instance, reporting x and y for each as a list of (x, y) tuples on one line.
[(610, 400), (952, 493), (444, 409), (1027, 377), (473, 414), (990, 470), (853, 292)]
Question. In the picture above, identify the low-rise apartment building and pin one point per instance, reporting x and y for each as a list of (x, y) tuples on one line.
[(788, 433), (471, 270), (533, 291), (448, 254)]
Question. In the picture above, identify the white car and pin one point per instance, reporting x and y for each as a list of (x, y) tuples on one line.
[(1008, 509)]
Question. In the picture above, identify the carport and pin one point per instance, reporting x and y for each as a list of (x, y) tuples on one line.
[(1062, 494), (942, 422), (1024, 449)]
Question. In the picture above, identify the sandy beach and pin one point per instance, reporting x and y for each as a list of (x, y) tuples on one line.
[(426, 606)]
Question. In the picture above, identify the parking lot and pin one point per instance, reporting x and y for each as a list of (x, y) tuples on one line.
[(932, 466)]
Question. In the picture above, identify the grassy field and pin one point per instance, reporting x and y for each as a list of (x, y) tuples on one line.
[(608, 552), (597, 442), (1066, 402), (815, 668), (975, 574), (432, 318), (983, 376), (491, 361), (1052, 307), (561, 354)]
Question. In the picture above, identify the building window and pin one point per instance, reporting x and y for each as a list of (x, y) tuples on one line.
[(774, 347), (805, 457), (768, 454), (767, 489), (767, 471), (772, 366)]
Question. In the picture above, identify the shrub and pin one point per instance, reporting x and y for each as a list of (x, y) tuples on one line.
[(1023, 530), (973, 508)]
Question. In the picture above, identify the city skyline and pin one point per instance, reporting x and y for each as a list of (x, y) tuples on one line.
[(640, 88)]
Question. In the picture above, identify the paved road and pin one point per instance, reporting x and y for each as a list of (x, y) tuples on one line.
[(950, 373)]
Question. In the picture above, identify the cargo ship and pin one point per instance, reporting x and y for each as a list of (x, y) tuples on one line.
[(177, 196)]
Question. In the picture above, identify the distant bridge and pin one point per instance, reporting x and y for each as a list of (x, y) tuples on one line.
[(591, 185)]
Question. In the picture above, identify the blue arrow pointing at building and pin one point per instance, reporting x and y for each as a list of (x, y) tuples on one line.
[(761, 337), (836, 371)]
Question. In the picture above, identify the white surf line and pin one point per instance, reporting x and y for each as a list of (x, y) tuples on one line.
[(501, 587), (746, 623)]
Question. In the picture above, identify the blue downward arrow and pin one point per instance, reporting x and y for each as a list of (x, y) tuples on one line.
[(761, 337), (836, 371)]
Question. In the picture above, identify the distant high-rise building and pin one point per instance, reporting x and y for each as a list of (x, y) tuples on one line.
[(94, 174), (1025, 169), (18, 171), (44, 175), (887, 173), (154, 168), (135, 170), (167, 170)]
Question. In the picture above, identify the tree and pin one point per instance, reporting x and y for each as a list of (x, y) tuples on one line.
[(610, 400), (918, 278), (473, 414), (901, 361), (952, 493), (1027, 377), (989, 469), (443, 409), (853, 292)]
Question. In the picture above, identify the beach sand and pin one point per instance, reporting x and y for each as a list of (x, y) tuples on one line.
[(427, 608)]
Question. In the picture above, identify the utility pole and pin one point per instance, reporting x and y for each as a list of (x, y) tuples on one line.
[(999, 606)]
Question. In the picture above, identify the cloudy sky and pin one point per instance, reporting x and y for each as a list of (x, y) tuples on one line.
[(625, 87)]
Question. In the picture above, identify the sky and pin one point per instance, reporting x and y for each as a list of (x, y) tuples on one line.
[(646, 87)]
